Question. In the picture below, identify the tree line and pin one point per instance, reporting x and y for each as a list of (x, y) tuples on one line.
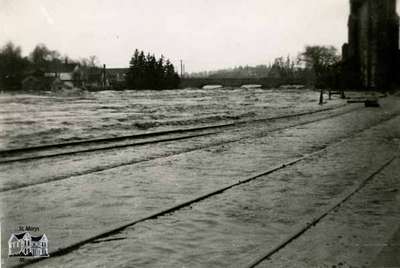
[(145, 71), (148, 72), (14, 67), (318, 66), (281, 67)]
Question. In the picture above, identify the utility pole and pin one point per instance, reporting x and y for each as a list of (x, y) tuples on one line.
[(181, 69), (104, 76)]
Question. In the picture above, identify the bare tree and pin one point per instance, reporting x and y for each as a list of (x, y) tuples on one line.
[(322, 61)]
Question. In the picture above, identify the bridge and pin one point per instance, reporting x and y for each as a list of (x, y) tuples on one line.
[(267, 82)]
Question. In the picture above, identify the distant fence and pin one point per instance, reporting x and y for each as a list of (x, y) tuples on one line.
[(237, 82)]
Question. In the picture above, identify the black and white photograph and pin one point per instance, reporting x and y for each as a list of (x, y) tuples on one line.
[(199, 133)]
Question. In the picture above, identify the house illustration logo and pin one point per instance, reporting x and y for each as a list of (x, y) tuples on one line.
[(26, 245)]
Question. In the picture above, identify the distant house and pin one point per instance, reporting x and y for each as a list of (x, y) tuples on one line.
[(116, 75), (90, 77), (68, 76), (65, 76), (24, 244), (65, 72)]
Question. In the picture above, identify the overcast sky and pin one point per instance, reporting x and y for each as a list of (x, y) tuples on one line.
[(206, 34)]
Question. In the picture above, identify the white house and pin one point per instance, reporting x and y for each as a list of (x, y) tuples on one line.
[(24, 244), (65, 73)]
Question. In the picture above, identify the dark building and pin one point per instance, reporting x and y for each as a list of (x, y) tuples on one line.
[(370, 58)]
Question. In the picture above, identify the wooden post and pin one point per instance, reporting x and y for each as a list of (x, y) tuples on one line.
[(321, 97)]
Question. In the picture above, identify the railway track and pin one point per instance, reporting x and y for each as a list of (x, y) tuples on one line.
[(85, 146), (320, 217), (117, 229)]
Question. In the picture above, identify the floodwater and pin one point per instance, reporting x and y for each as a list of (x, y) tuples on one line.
[(28, 120), (230, 229)]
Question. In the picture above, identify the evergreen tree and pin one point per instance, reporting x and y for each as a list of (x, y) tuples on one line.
[(150, 72), (133, 70), (146, 72), (171, 77), (160, 73)]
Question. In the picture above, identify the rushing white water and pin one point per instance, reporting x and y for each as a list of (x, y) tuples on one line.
[(28, 120)]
